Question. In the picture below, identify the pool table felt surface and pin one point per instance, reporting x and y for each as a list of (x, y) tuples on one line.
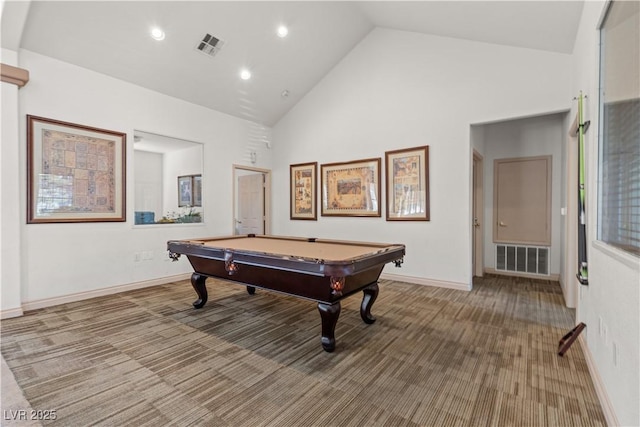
[(325, 250)]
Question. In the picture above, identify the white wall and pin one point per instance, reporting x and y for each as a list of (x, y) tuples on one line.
[(535, 136), (613, 294), (477, 138), (148, 182), (400, 89), (63, 259)]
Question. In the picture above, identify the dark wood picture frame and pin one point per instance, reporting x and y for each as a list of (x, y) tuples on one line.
[(185, 191), (197, 190), (303, 179), (75, 173), (351, 188), (407, 184)]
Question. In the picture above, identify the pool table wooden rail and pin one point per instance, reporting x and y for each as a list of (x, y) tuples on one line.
[(290, 262), (325, 281)]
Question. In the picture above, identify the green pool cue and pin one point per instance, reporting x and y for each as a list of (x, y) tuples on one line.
[(583, 272)]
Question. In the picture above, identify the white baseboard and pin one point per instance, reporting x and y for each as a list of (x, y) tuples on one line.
[(555, 277), (49, 302), (428, 282), (12, 312), (603, 397)]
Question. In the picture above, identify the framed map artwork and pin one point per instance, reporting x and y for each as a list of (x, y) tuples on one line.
[(304, 191), (351, 188), (407, 176), (75, 173)]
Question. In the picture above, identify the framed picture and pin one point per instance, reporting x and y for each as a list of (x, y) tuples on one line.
[(75, 173), (197, 190), (185, 190), (407, 176), (304, 191), (351, 188)]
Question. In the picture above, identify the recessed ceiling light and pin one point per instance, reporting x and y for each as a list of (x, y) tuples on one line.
[(157, 33), (282, 31), (245, 74)]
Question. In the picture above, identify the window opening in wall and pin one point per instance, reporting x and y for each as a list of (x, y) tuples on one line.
[(619, 145), (167, 179)]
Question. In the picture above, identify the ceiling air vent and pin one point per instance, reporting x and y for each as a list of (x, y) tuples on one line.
[(210, 45)]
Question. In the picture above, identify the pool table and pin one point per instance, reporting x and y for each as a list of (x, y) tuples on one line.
[(324, 271)]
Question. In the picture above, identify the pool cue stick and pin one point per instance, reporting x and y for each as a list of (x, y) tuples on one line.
[(583, 272)]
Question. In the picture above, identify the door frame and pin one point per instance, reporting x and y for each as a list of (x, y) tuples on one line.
[(477, 236), (267, 195)]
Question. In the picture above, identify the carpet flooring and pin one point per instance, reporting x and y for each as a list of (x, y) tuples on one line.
[(434, 357)]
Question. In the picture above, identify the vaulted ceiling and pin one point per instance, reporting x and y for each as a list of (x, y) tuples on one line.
[(113, 38)]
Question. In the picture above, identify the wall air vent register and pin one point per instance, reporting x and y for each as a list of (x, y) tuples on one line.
[(522, 259)]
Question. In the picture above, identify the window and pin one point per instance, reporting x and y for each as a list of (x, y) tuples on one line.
[(619, 156), (165, 170)]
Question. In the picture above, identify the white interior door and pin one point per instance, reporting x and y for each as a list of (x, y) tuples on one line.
[(251, 210)]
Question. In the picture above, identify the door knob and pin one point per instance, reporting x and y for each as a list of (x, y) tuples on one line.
[(475, 222), (502, 224)]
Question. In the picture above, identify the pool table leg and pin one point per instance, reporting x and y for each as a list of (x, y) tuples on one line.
[(329, 314), (197, 281), (370, 295)]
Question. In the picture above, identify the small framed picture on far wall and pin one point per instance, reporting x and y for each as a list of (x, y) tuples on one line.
[(185, 191), (197, 190), (190, 191), (304, 191)]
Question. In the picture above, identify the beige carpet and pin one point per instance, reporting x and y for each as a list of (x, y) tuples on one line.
[(435, 357)]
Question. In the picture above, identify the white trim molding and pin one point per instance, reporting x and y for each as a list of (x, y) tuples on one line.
[(48, 302), (427, 282), (12, 312)]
